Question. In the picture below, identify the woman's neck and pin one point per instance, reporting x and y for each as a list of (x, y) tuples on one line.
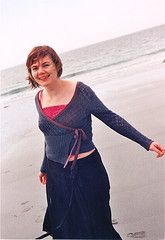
[(54, 90)]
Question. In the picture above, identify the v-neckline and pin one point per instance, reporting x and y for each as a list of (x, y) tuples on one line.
[(66, 107)]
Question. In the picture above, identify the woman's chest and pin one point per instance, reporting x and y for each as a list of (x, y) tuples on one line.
[(71, 117)]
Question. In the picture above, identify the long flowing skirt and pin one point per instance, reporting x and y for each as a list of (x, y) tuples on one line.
[(78, 200)]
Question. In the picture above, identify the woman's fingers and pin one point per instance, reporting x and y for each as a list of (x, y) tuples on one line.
[(160, 150), (42, 177), (156, 147)]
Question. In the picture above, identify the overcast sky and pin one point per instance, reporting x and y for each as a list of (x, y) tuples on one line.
[(70, 24)]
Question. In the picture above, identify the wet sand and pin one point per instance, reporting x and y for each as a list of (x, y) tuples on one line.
[(136, 176)]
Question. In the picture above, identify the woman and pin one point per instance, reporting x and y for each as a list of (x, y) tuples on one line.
[(76, 181)]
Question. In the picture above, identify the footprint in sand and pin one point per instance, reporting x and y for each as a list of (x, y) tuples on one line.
[(114, 221), (38, 219), (30, 165), (43, 208), (5, 172), (23, 203), (27, 209), (140, 234), (14, 215)]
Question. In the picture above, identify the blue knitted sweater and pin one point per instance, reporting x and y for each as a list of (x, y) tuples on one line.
[(70, 132)]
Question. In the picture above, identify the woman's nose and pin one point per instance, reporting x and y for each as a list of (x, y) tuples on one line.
[(40, 70)]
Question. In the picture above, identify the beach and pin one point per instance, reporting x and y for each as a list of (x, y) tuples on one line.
[(137, 177), (128, 75)]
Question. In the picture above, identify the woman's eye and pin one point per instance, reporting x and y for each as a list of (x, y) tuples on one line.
[(46, 65), (34, 68)]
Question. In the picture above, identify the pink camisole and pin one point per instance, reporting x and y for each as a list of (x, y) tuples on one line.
[(52, 111)]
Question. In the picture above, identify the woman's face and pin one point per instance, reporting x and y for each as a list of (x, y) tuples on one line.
[(44, 71)]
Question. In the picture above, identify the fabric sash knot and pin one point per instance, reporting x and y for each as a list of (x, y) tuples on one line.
[(79, 135)]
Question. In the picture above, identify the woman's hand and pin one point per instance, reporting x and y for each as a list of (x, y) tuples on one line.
[(156, 147), (42, 177)]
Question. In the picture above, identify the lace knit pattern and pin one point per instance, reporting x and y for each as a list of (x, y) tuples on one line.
[(59, 141)]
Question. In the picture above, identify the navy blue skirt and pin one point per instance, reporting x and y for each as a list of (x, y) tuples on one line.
[(78, 200)]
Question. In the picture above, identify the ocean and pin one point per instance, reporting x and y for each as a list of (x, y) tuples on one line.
[(113, 55)]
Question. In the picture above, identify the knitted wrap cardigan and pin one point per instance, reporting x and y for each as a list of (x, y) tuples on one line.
[(70, 132)]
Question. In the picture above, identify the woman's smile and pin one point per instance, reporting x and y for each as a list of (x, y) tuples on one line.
[(44, 77)]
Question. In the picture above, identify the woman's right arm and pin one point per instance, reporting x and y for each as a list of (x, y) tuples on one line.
[(43, 169)]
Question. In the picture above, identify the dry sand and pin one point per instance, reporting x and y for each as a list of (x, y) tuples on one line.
[(136, 176)]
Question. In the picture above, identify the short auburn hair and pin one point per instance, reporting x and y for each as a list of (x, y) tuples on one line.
[(40, 52)]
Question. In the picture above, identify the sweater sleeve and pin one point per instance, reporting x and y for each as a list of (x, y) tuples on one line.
[(114, 121), (43, 168)]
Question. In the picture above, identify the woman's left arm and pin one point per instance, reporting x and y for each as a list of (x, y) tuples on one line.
[(157, 148), (119, 124)]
